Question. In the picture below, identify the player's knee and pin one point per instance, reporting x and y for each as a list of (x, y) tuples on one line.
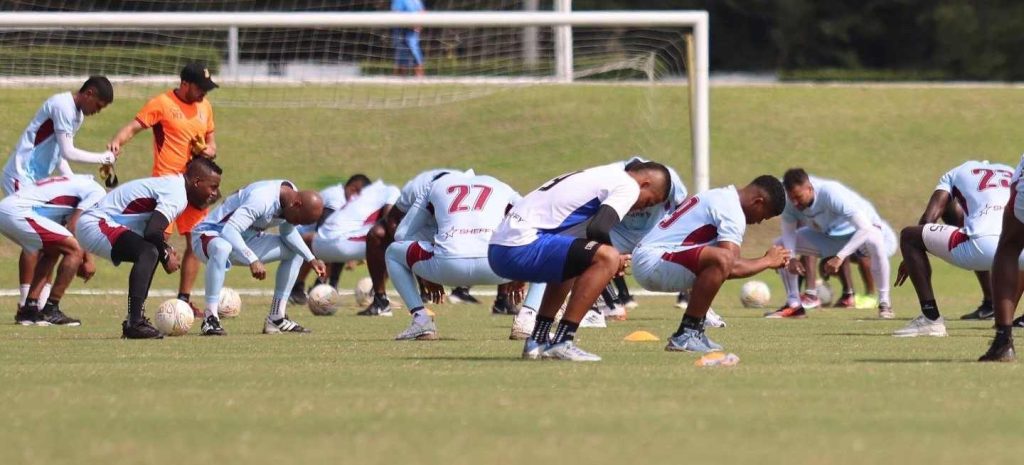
[(910, 236), (218, 249), (395, 252), (606, 255), (718, 260), (377, 234), (147, 254)]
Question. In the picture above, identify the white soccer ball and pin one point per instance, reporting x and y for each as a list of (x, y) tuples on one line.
[(364, 292), (230, 303), (323, 300), (755, 294), (174, 318), (824, 292)]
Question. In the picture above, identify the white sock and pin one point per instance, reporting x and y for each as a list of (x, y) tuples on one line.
[(24, 294), (277, 308), (211, 310), (421, 316), (44, 294), (789, 280), (883, 297)]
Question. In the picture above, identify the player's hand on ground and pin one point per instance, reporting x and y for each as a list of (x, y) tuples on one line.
[(901, 274), (795, 267), (258, 270), (778, 257), (625, 260), (832, 266), (319, 268), (173, 262), (435, 291), (87, 269)]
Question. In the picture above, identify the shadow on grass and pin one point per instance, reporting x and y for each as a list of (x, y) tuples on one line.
[(914, 360), (473, 358)]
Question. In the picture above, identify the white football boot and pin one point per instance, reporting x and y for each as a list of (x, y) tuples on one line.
[(593, 319), (423, 331), (922, 326), (522, 325), (568, 351), (713, 320)]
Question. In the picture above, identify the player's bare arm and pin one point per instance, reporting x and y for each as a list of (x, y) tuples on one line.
[(124, 135)]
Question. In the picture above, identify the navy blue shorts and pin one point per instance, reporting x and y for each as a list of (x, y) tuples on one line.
[(541, 261)]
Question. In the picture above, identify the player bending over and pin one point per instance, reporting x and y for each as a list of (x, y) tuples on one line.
[(559, 234), (1006, 285), (128, 225), (466, 208), (697, 247), (837, 222), (983, 188), (42, 218), (235, 232)]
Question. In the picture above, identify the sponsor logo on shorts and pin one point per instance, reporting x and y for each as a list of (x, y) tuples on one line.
[(590, 245)]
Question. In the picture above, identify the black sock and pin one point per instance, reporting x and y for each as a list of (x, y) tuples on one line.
[(381, 297), (620, 285), (689, 322), (334, 274), (541, 328), (608, 294), (1004, 334), (184, 296), (986, 303), (32, 303), (299, 287), (566, 331), (500, 300), (930, 309), (51, 304)]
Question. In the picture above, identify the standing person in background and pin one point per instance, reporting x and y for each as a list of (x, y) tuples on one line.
[(182, 122), (408, 56)]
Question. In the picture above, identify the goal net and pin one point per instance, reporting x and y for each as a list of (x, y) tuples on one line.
[(340, 96)]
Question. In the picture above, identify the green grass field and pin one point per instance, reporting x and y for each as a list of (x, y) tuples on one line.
[(833, 389)]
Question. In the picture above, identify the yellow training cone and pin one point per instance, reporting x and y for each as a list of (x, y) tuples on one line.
[(641, 336)]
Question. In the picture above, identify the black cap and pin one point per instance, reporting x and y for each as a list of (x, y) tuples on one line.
[(197, 73)]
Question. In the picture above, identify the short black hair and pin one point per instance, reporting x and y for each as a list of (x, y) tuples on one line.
[(774, 192), (641, 166), (199, 164), (101, 88), (794, 177), (358, 178)]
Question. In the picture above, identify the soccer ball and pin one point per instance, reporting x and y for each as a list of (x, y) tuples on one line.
[(230, 303), (824, 292), (174, 318), (323, 300), (364, 292), (755, 294)]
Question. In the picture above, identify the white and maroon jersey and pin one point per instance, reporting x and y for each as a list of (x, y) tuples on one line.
[(251, 210), (567, 201), (334, 197), (467, 209), (982, 189), (833, 207), (360, 213), (37, 154), (132, 204), (55, 198), (419, 186), (705, 219)]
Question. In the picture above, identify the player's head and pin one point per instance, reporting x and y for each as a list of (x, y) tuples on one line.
[(798, 188), (355, 185), (94, 95), (762, 199), (654, 180), (305, 207), (196, 82), (202, 182)]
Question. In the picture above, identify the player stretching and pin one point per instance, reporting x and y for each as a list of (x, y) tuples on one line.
[(42, 218), (838, 223), (235, 232), (466, 209), (1006, 288), (559, 234), (48, 143), (983, 189), (128, 225), (697, 247)]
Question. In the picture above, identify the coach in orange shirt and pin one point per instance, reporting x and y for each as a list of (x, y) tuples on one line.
[(182, 122)]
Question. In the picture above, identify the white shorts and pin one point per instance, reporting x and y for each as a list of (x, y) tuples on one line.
[(12, 184), (97, 235), (952, 245), (268, 247), (810, 241), (339, 250), (661, 271), (449, 271), (29, 229)]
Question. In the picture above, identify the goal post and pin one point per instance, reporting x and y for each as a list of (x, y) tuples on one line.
[(231, 22)]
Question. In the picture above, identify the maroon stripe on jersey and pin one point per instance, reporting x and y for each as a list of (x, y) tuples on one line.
[(701, 235), (17, 185), (957, 238), (44, 132), (690, 259), (141, 123), (415, 254), (227, 217), (65, 200), (143, 205), (357, 238), (204, 240), (158, 136), (48, 237), (112, 232), (372, 218), (961, 200)]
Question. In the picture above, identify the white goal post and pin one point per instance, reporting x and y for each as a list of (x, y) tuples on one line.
[(697, 21)]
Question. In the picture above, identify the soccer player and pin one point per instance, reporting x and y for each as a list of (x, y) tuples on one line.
[(560, 234), (42, 218), (128, 225), (983, 188), (334, 197), (182, 122), (408, 56), (838, 223), (466, 208), (1006, 285), (697, 247), (48, 144), (235, 232)]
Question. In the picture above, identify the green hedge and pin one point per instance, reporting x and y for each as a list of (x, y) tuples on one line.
[(838, 74), (64, 61)]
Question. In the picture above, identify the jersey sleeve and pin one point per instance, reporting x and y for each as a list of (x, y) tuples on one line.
[(731, 223), (408, 195), (170, 202), (210, 126), (622, 196), (839, 203), (946, 181), (63, 116), (151, 113), (392, 195)]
